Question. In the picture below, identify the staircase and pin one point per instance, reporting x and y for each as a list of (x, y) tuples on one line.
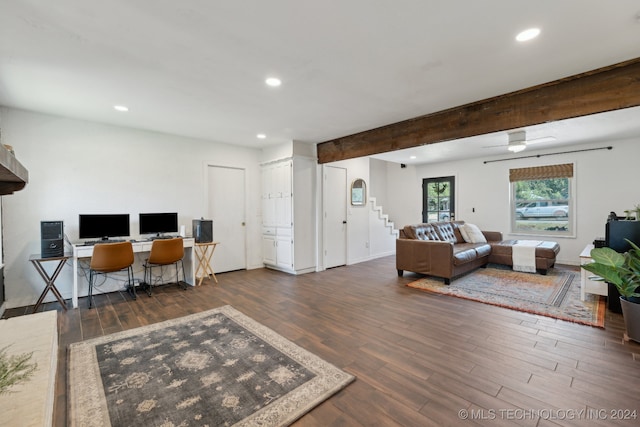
[(382, 232)]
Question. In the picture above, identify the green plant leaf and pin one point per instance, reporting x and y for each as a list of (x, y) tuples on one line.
[(607, 256), (606, 272), (622, 270), (633, 245), (628, 289)]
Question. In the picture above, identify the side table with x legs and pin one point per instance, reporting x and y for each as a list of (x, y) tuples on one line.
[(204, 252), (37, 260)]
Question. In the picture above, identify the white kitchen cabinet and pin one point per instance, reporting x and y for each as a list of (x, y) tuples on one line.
[(269, 252), (284, 252), (288, 215)]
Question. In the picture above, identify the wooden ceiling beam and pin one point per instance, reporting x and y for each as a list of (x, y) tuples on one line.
[(605, 89)]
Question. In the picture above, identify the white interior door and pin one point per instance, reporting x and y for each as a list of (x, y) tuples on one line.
[(335, 216), (227, 210)]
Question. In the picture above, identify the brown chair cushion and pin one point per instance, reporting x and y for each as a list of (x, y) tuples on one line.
[(109, 257), (166, 251)]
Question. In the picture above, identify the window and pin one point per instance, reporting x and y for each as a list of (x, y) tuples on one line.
[(542, 201), (438, 196)]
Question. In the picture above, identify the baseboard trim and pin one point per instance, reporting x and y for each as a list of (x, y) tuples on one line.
[(371, 257)]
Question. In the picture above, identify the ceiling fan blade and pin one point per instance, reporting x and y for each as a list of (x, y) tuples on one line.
[(519, 137), (541, 139)]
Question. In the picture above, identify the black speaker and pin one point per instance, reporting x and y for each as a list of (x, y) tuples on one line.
[(51, 239), (203, 230)]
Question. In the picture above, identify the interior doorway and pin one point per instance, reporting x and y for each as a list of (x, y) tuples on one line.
[(438, 199), (226, 193), (334, 195)]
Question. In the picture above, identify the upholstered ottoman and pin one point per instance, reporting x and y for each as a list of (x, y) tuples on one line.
[(501, 253)]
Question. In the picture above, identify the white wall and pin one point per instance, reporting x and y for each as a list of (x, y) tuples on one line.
[(404, 195), (82, 167), (364, 241), (378, 187), (605, 181)]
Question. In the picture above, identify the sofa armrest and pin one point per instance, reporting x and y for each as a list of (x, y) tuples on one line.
[(425, 256), (493, 236)]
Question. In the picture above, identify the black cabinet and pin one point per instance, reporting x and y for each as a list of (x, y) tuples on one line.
[(618, 231)]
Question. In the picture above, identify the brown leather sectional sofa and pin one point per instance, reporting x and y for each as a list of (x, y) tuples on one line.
[(438, 249)]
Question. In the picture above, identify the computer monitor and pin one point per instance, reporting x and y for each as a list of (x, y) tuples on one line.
[(103, 226), (158, 223)]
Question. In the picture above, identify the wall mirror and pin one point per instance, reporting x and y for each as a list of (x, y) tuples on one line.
[(358, 192)]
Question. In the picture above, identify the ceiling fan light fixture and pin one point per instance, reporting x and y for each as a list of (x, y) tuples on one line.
[(517, 147)]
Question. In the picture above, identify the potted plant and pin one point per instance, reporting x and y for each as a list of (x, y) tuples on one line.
[(623, 271)]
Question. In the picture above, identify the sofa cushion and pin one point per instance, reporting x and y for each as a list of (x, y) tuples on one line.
[(464, 234), (446, 231), (458, 233), (503, 247), (466, 252), (483, 249), (420, 232), (543, 250), (463, 254), (473, 234)]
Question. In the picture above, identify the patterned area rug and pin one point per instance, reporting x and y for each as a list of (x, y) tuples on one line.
[(555, 295), (215, 368)]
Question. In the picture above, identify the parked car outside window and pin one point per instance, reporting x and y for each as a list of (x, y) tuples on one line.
[(542, 209)]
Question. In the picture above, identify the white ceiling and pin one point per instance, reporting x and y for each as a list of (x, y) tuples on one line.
[(604, 127), (196, 68)]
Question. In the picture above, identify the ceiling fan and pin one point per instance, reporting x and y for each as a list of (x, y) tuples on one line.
[(518, 141)]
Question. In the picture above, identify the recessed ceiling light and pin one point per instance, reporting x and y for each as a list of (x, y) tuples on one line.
[(412, 157), (273, 82), (120, 108), (261, 136), (529, 34)]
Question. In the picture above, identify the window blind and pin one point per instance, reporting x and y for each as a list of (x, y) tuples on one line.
[(541, 172)]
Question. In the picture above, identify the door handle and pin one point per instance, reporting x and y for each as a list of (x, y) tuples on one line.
[(344, 222)]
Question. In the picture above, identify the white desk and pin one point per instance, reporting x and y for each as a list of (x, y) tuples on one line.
[(85, 251), (588, 286)]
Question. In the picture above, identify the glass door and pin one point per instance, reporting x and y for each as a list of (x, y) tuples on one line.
[(438, 199)]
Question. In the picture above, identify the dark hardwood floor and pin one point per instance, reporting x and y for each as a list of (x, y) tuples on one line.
[(420, 359)]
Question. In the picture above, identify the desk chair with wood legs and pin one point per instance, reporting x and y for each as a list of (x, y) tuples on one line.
[(165, 252), (109, 258)]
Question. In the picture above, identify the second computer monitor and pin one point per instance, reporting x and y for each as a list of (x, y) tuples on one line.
[(158, 223)]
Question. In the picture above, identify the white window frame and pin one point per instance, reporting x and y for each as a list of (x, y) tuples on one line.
[(571, 219)]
